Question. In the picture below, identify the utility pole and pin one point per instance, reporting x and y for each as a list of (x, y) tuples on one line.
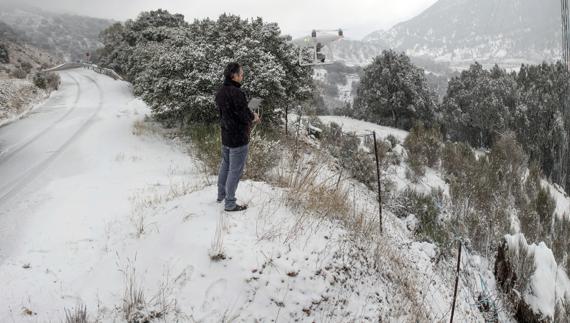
[(563, 160), (565, 25)]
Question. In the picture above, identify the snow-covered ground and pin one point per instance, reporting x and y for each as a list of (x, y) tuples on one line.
[(18, 98), (98, 202), (360, 127)]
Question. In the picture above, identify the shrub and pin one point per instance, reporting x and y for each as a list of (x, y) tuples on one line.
[(427, 209), (457, 159), (4, 57), (53, 81), (40, 81), (561, 242), (263, 156), (545, 206), (207, 142), (393, 140), (77, 315), (424, 146), (488, 190), (18, 73)]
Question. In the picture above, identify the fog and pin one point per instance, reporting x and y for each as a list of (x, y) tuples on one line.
[(296, 17)]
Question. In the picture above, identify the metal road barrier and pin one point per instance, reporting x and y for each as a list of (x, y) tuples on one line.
[(100, 70)]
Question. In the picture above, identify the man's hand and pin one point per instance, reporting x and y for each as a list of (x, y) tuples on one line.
[(256, 119)]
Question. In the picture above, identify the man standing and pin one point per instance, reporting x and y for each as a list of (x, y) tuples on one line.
[(236, 120)]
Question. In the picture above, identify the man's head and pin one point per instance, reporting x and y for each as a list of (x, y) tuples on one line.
[(234, 72)]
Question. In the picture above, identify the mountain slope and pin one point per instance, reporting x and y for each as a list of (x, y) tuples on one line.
[(484, 30), (68, 36)]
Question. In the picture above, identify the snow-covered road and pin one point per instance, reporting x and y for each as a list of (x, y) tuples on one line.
[(53, 163), (29, 145)]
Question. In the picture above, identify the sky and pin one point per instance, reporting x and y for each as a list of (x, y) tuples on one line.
[(295, 17)]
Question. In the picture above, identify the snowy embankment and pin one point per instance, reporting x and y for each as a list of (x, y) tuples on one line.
[(549, 283), (360, 127), (18, 98), (121, 220)]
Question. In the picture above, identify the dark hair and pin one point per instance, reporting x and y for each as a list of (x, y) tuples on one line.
[(231, 69)]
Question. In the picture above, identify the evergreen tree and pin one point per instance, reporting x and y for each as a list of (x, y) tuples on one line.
[(479, 105), (394, 92), (177, 67)]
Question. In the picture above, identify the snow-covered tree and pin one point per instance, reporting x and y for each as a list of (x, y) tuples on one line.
[(177, 67), (479, 105), (394, 92), (541, 119)]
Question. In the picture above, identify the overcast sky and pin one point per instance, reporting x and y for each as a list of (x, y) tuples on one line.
[(296, 17)]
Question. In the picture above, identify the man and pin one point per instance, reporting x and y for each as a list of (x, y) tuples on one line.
[(236, 120)]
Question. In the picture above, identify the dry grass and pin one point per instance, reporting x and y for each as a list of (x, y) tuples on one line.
[(76, 315), (216, 251), (146, 127), (136, 307), (144, 202), (320, 197)]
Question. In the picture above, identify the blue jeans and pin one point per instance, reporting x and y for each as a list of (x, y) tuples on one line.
[(231, 169)]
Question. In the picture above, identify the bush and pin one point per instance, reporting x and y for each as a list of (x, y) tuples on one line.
[(40, 81), (4, 57), (207, 142), (424, 146), (561, 242), (487, 191), (18, 73), (47, 81), (426, 208), (545, 206), (359, 162), (392, 140), (263, 156), (457, 159)]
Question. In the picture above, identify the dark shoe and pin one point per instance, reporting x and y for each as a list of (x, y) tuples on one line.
[(219, 201), (237, 208)]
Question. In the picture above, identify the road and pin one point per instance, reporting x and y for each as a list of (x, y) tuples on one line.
[(47, 145), (31, 144)]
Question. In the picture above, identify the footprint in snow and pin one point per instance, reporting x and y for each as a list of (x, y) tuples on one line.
[(214, 294)]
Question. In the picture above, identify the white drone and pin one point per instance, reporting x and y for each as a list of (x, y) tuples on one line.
[(310, 46)]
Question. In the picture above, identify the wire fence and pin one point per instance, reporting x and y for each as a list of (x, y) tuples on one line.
[(466, 283)]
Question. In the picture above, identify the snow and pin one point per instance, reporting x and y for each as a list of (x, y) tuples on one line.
[(549, 283), (360, 127), (121, 203), (17, 99), (561, 197)]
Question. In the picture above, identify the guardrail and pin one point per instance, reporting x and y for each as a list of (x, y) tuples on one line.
[(97, 69)]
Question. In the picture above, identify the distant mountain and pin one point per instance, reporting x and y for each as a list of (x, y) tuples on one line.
[(461, 31), (67, 36)]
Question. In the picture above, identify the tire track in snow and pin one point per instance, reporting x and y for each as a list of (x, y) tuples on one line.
[(5, 155), (14, 187)]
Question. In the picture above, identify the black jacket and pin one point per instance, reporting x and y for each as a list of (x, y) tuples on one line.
[(235, 116)]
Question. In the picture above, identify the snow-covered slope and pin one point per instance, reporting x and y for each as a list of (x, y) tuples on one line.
[(109, 208), (67, 36), (460, 31)]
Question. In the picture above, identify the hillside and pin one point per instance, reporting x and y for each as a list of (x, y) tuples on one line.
[(64, 35), (461, 31)]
